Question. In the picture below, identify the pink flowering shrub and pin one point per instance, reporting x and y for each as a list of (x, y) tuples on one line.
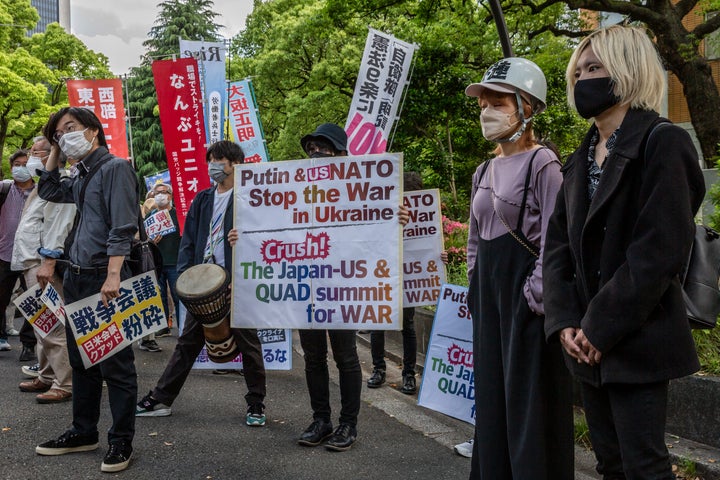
[(455, 234)]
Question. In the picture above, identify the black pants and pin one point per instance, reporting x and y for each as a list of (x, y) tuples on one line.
[(117, 371), (627, 430), (190, 344), (8, 278), (315, 348), (377, 344)]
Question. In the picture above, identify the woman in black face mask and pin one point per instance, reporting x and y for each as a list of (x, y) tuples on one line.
[(618, 238)]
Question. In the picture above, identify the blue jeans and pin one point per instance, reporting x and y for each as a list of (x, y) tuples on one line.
[(169, 275), (377, 344)]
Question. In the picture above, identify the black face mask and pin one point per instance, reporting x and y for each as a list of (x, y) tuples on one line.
[(593, 96), (321, 155)]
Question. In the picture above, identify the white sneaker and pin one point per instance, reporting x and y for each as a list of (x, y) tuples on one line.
[(464, 449), (13, 333), (32, 371), (4, 345)]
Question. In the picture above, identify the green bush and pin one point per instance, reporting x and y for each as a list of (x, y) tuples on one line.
[(708, 349)]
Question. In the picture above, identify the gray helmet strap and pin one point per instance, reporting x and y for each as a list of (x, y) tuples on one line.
[(523, 121)]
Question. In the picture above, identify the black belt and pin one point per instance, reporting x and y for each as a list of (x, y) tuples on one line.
[(78, 270)]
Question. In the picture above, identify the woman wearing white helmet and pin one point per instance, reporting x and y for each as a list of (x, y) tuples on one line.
[(523, 399)]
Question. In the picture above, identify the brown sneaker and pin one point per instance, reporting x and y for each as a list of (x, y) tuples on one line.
[(54, 395), (34, 385)]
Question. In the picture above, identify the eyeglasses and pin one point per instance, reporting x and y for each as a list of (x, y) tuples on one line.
[(316, 146), (37, 153), (161, 192), (70, 127)]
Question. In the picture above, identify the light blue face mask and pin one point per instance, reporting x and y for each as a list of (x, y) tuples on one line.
[(217, 171), (21, 174)]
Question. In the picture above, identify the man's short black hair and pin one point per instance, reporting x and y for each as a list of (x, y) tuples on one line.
[(412, 181), (86, 118), (225, 149), (17, 154)]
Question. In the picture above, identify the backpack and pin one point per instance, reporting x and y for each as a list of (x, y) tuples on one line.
[(701, 276)]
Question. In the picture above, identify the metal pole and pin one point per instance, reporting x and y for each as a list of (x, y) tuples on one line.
[(499, 18), (129, 119)]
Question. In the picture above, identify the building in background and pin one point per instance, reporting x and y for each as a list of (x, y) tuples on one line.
[(51, 11)]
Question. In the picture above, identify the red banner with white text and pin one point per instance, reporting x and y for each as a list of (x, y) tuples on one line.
[(177, 83), (105, 98)]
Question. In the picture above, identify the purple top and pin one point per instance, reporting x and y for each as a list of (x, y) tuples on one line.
[(502, 187), (10, 219)]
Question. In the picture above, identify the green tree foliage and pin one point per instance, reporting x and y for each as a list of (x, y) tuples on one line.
[(33, 72), (186, 19), (303, 57)]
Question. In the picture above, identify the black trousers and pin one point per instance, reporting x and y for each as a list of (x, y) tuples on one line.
[(377, 344), (8, 278), (627, 430), (190, 344), (117, 371), (315, 348)]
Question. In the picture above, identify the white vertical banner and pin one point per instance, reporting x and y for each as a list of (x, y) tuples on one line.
[(448, 384), (378, 92), (246, 128)]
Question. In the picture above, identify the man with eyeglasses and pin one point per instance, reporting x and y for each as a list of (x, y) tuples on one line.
[(105, 192), (39, 241), (13, 196)]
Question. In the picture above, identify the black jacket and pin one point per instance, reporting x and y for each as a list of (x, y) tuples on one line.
[(611, 267)]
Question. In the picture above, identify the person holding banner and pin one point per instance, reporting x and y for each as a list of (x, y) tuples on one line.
[(330, 140), (105, 192), (523, 392), (39, 241), (205, 240), (617, 242)]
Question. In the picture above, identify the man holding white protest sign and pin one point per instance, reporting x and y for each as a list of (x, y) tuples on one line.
[(105, 194)]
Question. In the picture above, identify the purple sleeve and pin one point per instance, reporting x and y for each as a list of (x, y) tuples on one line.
[(547, 185)]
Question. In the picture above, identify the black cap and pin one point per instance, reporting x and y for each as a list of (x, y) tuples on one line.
[(330, 132)]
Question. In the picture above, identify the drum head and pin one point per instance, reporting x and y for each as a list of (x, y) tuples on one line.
[(200, 280)]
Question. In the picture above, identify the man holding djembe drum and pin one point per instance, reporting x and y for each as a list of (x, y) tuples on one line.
[(204, 246)]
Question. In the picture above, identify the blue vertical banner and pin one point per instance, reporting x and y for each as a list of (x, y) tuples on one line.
[(245, 127), (211, 64)]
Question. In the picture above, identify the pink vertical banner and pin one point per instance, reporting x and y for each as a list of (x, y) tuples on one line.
[(105, 98), (177, 83)]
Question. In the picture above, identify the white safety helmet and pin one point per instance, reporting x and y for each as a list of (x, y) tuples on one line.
[(519, 76)]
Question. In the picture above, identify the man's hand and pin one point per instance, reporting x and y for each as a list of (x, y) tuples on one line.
[(111, 287), (233, 237), (46, 272)]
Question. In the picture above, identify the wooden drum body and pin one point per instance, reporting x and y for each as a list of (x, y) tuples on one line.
[(204, 290)]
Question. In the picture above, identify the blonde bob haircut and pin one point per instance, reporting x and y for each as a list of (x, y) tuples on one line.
[(632, 62)]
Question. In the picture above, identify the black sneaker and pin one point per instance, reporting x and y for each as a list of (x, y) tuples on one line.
[(117, 458), (409, 385), (342, 438), (255, 416), (150, 346), (149, 407), (68, 442), (314, 435), (376, 379)]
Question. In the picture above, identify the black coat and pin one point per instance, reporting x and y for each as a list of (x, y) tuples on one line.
[(611, 266)]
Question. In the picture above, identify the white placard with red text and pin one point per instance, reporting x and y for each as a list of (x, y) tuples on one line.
[(159, 224), (423, 268), (100, 332), (37, 313), (319, 244), (448, 384)]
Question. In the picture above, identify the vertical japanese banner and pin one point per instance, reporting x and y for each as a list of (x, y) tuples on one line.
[(423, 268), (211, 64), (100, 332), (245, 125), (181, 119), (104, 97), (378, 92), (319, 244), (448, 384)]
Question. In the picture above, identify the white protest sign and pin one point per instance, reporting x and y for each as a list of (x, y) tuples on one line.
[(54, 301), (423, 268), (36, 312), (100, 332), (159, 224), (319, 244), (448, 384)]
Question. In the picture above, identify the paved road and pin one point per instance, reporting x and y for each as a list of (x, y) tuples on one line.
[(206, 437)]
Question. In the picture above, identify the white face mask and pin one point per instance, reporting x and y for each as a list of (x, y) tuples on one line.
[(34, 163), (162, 200), (75, 145), (497, 125), (21, 174)]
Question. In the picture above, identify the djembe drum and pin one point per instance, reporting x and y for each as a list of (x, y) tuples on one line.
[(205, 290)]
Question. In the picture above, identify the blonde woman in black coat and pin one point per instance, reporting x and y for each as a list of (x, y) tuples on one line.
[(619, 236)]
